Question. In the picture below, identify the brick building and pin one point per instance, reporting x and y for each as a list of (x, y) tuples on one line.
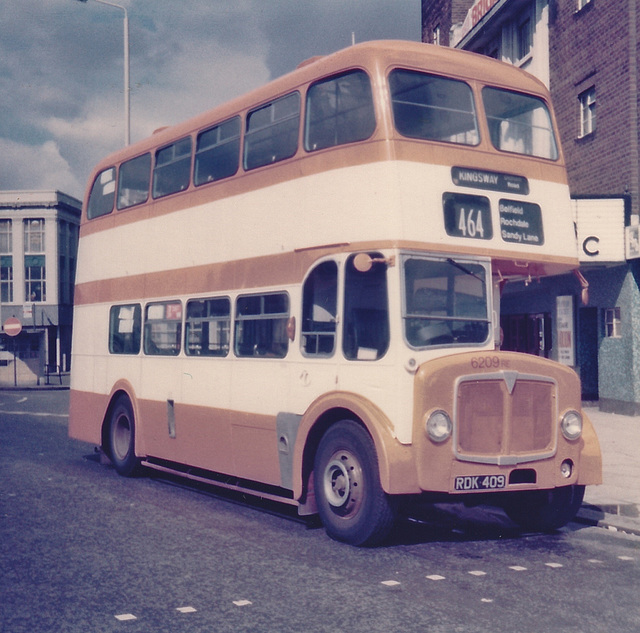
[(38, 248), (586, 52)]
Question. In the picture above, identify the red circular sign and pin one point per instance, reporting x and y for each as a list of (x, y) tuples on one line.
[(12, 326)]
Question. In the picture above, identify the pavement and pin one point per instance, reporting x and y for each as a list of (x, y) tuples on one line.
[(615, 504)]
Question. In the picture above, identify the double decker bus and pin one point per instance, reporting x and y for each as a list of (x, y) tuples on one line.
[(297, 294)]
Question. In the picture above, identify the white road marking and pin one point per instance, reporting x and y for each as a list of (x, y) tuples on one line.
[(125, 617), (39, 414)]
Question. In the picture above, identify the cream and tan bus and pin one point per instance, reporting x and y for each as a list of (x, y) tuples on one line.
[(297, 294)]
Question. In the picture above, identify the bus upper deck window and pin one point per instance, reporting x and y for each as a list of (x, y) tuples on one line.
[(519, 123), (433, 108), (173, 168), (339, 110), (217, 152), (133, 183), (272, 132), (102, 194)]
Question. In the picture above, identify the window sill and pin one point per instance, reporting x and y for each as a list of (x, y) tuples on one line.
[(584, 9), (586, 138)]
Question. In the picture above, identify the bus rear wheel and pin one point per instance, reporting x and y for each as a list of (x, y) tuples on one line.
[(122, 434), (545, 510), (351, 502)]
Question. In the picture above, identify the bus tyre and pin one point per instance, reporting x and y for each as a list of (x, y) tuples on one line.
[(122, 438), (545, 510), (351, 502)]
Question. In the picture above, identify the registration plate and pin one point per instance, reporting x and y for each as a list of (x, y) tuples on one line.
[(469, 483)]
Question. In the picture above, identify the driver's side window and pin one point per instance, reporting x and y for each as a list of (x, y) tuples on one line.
[(319, 310)]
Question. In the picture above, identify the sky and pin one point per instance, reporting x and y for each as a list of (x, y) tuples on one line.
[(61, 69)]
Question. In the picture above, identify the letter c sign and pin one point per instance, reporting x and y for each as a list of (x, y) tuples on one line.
[(590, 246)]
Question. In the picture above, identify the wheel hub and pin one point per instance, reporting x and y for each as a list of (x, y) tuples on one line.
[(343, 482), (121, 437)]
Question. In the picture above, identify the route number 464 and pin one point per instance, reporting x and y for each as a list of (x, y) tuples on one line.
[(470, 222)]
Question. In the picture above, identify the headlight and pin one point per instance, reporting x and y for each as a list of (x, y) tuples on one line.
[(438, 426), (571, 425)]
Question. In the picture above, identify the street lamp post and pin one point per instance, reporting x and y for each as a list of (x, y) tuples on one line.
[(127, 107)]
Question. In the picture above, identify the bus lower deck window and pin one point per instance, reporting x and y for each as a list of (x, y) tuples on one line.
[(125, 329), (261, 325)]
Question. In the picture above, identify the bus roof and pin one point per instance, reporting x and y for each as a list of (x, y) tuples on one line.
[(373, 55)]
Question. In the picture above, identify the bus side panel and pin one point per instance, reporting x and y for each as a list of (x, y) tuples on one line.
[(255, 448), (230, 442), (86, 412)]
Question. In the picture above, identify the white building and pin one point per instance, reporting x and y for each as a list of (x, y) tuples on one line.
[(38, 247)]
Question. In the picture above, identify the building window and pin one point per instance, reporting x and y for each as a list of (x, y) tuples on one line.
[(34, 260), (6, 241), (587, 112), (493, 50), (524, 35), (35, 278), (582, 4), (6, 262), (34, 235), (436, 35), (66, 261), (612, 323), (6, 279)]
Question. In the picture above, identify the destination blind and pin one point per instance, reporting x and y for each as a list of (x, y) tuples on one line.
[(521, 222)]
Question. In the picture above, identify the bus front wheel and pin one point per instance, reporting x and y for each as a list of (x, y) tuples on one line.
[(122, 438), (351, 502), (545, 510)]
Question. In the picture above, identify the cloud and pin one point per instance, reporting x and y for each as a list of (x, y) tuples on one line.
[(36, 167), (200, 75), (63, 96)]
